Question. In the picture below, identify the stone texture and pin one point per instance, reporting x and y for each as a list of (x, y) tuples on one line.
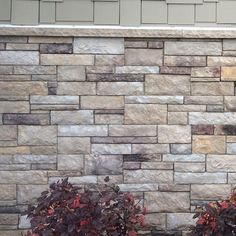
[(71, 73), (8, 192), (184, 158), (221, 61), (174, 134), (205, 72), (228, 73), (111, 149), (167, 85), (185, 61), (225, 130), (193, 48), (137, 114), (8, 132), (180, 221), (201, 100), (189, 167), (208, 144), (71, 162), (76, 88), (167, 201), (99, 45), (56, 48), (146, 57), (109, 60), (203, 129), (37, 135), (230, 103), (137, 70), (154, 99), (150, 148), (224, 163), (26, 119), (177, 118), (181, 148)]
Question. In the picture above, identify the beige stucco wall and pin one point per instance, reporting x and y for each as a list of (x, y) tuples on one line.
[(119, 12)]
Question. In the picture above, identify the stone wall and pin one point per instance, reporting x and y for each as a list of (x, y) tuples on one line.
[(157, 115)]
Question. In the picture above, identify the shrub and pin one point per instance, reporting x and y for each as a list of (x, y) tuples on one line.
[(67, 211), (216, 218)]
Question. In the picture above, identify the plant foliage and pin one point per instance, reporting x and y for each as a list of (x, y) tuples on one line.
[(65, 210)]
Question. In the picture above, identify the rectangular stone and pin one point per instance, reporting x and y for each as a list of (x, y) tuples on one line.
[(22, 47), (48, 107), (148, 176), (54, 100), (19, 57), (124, 140), (35, 70), (109, 60), (73, 145), (154, 99), (34, 159), (8, 219), (8, 132), (120, 88), (142, 157), (111, 148), (14, 107), (6, 70), (221, 61), (212, 88), (203, 129), (174, 134), (186, 108), (23, 88), (14, 150), (157, 166), (202, 100), (72, 117), (232, 178), (175, 70), (210, 191), (99, 45), (225, 130), (23, 177), (180, 221), (8, 192), (26, 119), (228, 118), (137, 69), (37, 135), (102, 102), (193, 48), (132, 130), (144, 57), (205, 72), (99, 69), (230, 103), (138, 187), (150, 148), (177, 118), (56, 48), (15, 78), (181, 148), (109, 119), (82, 130), (184, 158), (44, 39), (137, 114), (189, 167), (71, 162), (115, 77), (200, 178), (76, 88), (65, 59), (223, 163), (208, 144), (167, 201), (167, 85), (228, 73), (71, 73), (185, 61)]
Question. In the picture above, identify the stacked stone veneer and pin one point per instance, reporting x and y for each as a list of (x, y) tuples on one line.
[(156, 115)]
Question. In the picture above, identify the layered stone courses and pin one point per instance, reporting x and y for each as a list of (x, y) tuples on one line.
[(156, 115)]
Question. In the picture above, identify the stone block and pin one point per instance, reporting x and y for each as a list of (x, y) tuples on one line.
[(37, 135), (228, 73), (54, 100), (102, 102), (73, 145), (71, 73), (177, 118), (66, 59), (35, 70), (150, 148), (156, 220), (137, 69), (205, 72), (109, 119), (50, 39), (193, 48), (154, 99), (132, 130), (185, 61), (49, 48), (8, 132), (8, 192), (203, 129), (230, 103), (210, 191), (34, 159), (99, 45), (111, 149), (76, 88), (181, 148), (174, 134), (70, 162), (157, 166), (202, 178), (103, 164), (120, 88), (19, 58), (143, 57), (72, 117), (212, 88), (223, 163), (109, 60), (8, 219), (82, 130), (167, 201), (201, 100), (167, 85), (225, 130), (137, 114), (22, 47), (208, 144), (180, 221), (26, 119), (184, 158), (189, 167), (221, 61), (148, 176)]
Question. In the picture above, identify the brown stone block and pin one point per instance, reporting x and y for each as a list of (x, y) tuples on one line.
[(203, 129)]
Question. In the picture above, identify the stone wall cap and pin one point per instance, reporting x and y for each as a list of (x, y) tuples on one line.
[(119, 31)]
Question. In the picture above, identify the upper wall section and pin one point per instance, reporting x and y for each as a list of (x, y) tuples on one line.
[(119, 12)]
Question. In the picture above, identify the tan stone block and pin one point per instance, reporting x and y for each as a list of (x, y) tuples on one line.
[(201, 100), (186, 108), (65, 59), (109, 119), (109, 60), (102, 102), (145, 114), (224, 163), (76, 88), (180, 221), (167, 85), (228, 73), (221, 61), (174, 134), (14, 150), (167, 201), (185, 61), (14, 107), (212, 88), (8, 192), (71, 73), (37, 135), (205, 72), (8, 219), (210, 191), (8, 132), (208, 144), (23, 88), (144, 57)]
